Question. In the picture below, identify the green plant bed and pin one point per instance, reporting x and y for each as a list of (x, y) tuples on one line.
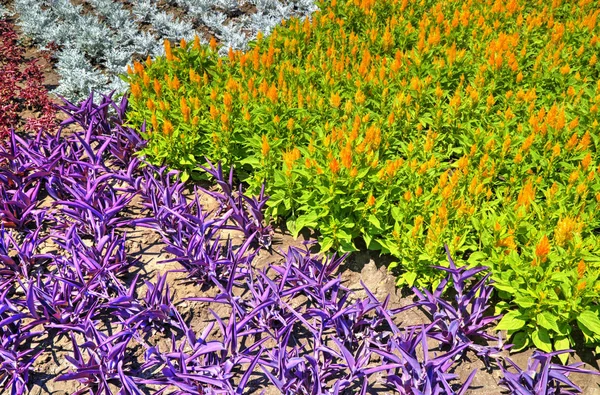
[(411, 125)]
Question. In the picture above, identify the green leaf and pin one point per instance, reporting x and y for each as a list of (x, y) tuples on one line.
[(410, 278), (185, 176), (512, 321), (374, 221), (503, 287), (520, 341), (541, 339), (562, 343), (476, 257), (304, 221), (590, 321), (326, 244), (525, 302), (546, 320)]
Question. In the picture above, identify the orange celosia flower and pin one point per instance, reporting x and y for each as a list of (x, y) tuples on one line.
[(289, 158), (346, 156), (136, 91), (213, 43), (167, 128), (565, 229), (335, 100), (168, 53), (526, 195), (265, 148), (573, 177), (175, 84), (519, 77), (157, 87), (585, 162), (334, 166), (272, 94), (214, 112), (150, 105), (185, 110), (581, 286), (585, 141), (227, 100), (138, 68), (543, 248), (581, 269), (370, 201)]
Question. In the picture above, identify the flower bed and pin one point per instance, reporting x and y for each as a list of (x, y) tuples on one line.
[(462, 131), (138, 280)]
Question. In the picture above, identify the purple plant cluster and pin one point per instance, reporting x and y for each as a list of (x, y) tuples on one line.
[(291, 326)]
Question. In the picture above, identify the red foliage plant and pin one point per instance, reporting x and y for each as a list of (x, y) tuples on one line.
[(22, 88)]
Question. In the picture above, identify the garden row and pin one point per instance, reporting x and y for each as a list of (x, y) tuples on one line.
[(406, 125)]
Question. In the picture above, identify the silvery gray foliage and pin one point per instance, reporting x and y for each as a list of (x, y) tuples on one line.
[(166, 26), (142, 10), (146, 43), (33, 21), (77, 76), (214, 19), (232, 37), (227, 5), (194, 7), (118, 19), (116, 61)]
